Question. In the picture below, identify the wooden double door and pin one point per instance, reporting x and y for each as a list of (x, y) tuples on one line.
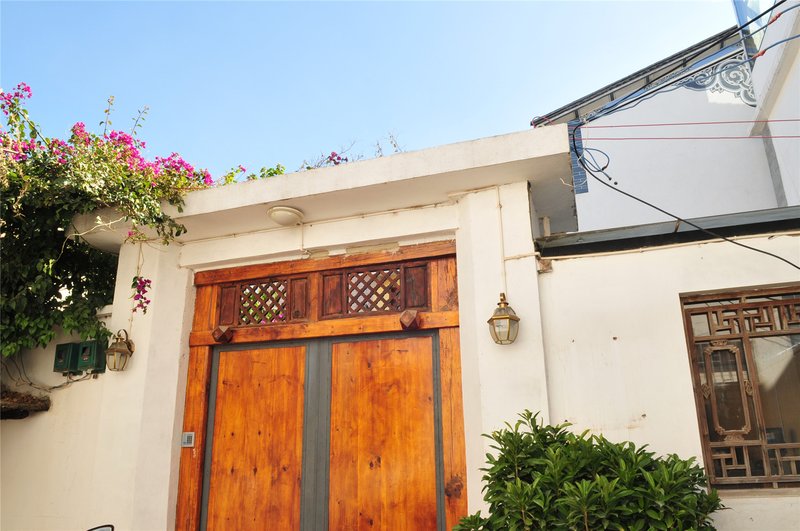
[(339, 433)]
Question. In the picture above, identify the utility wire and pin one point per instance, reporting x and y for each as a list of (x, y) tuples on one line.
[(738, 29), (773, 45), (601, 170), (581, 156), (668, 124), (711, 45), (626, 101), (584, 138), (674, 84), (22, 378)]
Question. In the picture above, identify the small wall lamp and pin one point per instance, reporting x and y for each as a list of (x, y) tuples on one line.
[(504, 323), (119, 351)]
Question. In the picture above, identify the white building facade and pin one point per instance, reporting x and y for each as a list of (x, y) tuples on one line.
[(603, 341)]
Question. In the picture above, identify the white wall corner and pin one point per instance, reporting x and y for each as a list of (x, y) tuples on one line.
[(771, 70), (498, 381), (158, 367)]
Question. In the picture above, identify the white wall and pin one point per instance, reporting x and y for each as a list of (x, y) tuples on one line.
[(499, 381), (787, 150), (107, 449), (696, 178), (616, 353), (690, 178), (776, 79), (759, 511)]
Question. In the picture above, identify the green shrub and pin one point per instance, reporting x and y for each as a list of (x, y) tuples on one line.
[(545, 477)]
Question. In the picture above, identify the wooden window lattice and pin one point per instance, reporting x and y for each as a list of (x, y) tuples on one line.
[(374, 291), (741, 456), (263, 302), (344, 292)]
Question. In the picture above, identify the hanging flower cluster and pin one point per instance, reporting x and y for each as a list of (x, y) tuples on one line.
[(140, 287)]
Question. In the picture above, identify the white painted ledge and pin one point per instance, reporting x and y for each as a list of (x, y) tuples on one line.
[(401, 181)]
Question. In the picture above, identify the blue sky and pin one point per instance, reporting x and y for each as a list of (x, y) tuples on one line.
[(260, 83)]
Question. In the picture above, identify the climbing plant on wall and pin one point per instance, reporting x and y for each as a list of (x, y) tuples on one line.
[(49, 276)]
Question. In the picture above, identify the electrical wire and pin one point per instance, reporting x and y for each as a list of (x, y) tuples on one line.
[(22, 378), (675, 84), (710, 46), (686, 137), (669, 124), (624, 103), (590, 152), (738, 29), (601, 170), (773, 45), (663, 89)]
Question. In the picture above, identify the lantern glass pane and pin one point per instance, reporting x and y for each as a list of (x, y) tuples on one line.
[(512, 333), (493, 332), (116, 360), (501, 326)]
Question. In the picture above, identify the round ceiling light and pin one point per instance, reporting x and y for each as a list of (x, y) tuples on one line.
[(286, 216)]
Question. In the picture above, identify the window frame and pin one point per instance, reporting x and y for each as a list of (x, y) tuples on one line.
[(745, 324)]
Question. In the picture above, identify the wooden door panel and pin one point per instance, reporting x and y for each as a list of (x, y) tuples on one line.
[(257, 440), (454, 452), (382, 460)]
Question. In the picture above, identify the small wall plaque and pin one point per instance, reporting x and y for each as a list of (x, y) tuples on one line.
[(187, 439)]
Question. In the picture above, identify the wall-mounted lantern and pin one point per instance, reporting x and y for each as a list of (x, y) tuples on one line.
[(504, 323), (119, 351)]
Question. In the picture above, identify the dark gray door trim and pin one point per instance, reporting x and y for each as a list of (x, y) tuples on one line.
[(317, 422), (316, 438)]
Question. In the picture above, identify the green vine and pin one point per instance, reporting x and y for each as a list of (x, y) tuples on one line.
[(49, 276)]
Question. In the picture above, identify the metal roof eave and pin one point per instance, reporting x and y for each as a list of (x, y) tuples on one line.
[(634, 81), (768, 221)]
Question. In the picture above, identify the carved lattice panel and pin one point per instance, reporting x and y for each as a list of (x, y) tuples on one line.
[(760, 319), (374, 291), (724, 322), (745, 317), (263, 302), (790, 315), (738, 462), (731, 462), (771, 317), (784, 459), (745, 360)]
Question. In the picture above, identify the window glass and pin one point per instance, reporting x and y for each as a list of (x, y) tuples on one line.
[(778, 362)]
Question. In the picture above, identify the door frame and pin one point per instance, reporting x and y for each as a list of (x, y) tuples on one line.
[(213, 293)]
